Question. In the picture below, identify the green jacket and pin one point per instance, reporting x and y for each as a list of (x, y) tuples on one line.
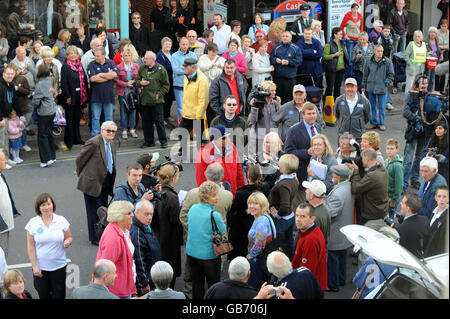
[(159, 84), (395, 171)]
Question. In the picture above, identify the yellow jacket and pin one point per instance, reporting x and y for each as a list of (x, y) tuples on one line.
[(195, 97)]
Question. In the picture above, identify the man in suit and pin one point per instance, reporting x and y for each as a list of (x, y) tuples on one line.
[(414, 229), (96, 171), (104, 276), (438, 239), (431, 180), (298, 142)]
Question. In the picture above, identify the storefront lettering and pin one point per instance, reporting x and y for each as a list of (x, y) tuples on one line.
[(373, 13)]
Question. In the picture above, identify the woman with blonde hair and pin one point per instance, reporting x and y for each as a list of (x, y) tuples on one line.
[(170, 231), (276, 28), (14, 284), (371, 140), (260, 235), (323, 154), (61, 45), (316, 27), (116, 245), (35, 53)]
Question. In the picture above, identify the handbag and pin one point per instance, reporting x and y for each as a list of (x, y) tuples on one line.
[(82, 118), (221, 244)]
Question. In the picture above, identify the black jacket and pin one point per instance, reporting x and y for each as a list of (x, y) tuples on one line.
[(230, 289), (438, 238), (86, 46), (146, 252), (414, 232), (140, 39), (239, 221), (70, 84), (5, 106)]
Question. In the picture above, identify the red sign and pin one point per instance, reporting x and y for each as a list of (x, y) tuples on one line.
[(289, 6)]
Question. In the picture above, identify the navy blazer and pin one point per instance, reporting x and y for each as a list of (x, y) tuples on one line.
[(298, 142), (414, 233)]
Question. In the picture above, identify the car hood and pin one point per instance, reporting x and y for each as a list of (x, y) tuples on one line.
[(385, 250)]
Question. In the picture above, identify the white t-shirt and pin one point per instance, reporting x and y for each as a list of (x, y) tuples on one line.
[(131, 247), (221, 37), (49, 241)]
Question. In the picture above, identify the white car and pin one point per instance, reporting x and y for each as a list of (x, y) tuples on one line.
[(413, 278)]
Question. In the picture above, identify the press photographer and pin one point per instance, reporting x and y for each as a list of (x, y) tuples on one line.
[(437, 147)]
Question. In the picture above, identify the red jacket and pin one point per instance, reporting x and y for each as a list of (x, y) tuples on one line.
[(231, 164), (311, 253), (113, 246)]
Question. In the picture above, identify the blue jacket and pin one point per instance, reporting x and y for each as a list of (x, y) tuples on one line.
[(199, 244), (290, 52), (124, 192), (178, 73), (311, 65), (162, 59), (428, 201)]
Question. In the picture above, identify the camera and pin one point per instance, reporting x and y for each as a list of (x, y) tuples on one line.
[(155, 169), (275, 291), (260, 97), (433, 151), (357, 159), (156, 194)]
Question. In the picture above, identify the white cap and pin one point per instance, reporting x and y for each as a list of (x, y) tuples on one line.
[(317, 187), (298, 87), (351, 81)]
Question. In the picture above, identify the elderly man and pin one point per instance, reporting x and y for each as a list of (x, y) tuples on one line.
[(352, 111), (147, 250), (340, 203), (431, 180), (299, 25), (177, 63), (236, 287), (154, 82), (25, 65), (195, 46), (132, 190), (213, 173), (88, 56), (378, 74), (96, 171), (230, 82), (162, 274), (286, 57), (102, 73), (311, 251), (372, 187), (104, 274), (7, 207), (301, 282)]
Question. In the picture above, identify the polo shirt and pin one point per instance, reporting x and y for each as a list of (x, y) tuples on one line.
[(50, 252), (234, 91), (102, 92)]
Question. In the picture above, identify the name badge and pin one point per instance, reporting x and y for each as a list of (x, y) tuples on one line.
[(360, 105), (77, 89)]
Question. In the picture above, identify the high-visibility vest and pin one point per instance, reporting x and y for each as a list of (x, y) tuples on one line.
[(420, 53)]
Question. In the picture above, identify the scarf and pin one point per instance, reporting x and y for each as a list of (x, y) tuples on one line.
[(79, 68)]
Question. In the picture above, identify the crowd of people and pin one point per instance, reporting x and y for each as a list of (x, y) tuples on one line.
[(266, 173)]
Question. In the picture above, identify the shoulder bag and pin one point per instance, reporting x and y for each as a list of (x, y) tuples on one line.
[(220, 243)]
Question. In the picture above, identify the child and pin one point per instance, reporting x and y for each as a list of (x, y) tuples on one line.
[(394, 166), (15, 128), (438, 237), (386, 41)]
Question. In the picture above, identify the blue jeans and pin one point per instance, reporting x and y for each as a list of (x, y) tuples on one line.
[(337, 268), (399, 43), (388, 98), (127, 120), (257, 276), (412, 156), (349, 71), (378, 106), (96, 109), (179, 98), (285, 229)]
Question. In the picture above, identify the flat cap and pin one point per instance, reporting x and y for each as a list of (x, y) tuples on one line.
[(189, 61), (341, 170)]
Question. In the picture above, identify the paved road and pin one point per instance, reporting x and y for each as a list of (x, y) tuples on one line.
[(29, 180)]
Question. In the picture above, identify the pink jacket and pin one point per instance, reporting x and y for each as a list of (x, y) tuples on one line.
[(241, 62), (113, 246), (121, 79), (14, 129)]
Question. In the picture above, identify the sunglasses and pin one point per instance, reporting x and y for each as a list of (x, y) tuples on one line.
[(111, 131)]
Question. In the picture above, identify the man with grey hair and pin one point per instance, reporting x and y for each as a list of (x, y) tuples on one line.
[(301, 282), (147, 250), (88, 57), (431, 180), (104, 274), (372, 187), (236, 287), (102, 73), (96, 171), (162, 274), (154, 82), (214, 173)]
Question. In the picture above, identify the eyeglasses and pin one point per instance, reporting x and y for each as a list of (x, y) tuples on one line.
[(191, 36), (111, 131), (231, 104)]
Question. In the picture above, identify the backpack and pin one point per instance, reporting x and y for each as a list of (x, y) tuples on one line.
[(131, 99)]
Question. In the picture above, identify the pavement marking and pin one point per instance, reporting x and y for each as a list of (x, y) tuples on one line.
[(27, 265)]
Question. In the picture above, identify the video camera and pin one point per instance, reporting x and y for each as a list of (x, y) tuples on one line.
[(260, 97), (154, 170)]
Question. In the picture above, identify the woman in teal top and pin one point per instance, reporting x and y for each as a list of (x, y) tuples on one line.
[(199, 248)]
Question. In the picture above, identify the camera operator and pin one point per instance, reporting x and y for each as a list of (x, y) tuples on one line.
[(372, 189), (148, 162), (418, 131), (132, 190), (264, 104)]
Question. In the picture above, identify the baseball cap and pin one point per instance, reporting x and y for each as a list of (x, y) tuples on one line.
[(221, 129), (351, 81), (189, 61), (317, 187), (298, 88)]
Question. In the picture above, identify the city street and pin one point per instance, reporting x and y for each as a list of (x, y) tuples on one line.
[(27, 180)]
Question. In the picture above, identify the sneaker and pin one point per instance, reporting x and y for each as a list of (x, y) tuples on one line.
[(51, 162), (389, 106), (26, 148), (124, 135), (11, 162), (8, 166), (133, 134), (370, 126), (18, 160), (42, 165), (382, 128)]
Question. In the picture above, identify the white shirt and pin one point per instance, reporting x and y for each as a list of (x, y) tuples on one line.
[(352, 104), (6, 210), (49, 241), (437, 214), (131, 247), (221, 36)]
